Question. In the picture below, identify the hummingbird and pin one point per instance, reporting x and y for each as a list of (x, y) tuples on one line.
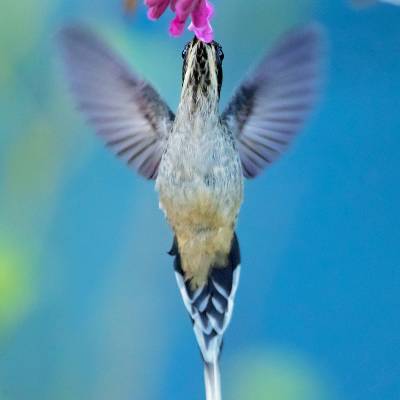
[(198, 157)]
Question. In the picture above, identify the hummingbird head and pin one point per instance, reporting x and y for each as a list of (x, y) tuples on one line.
[(202, 68)]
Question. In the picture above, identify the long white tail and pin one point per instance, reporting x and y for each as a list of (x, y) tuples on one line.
[(212, 381), (210, 308)]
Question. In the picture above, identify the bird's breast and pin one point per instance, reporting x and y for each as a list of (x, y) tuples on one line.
[(200, 178), (200, 186)]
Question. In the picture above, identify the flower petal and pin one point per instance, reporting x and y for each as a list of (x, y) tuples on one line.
[(201, 21), (156, 8), (177, 26), (185, 7), (200, 11)]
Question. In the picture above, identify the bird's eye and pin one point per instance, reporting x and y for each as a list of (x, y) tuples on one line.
[(220, 53), (184, 52)]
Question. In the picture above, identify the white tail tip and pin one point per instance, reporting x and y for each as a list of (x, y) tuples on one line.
[(212, 381)]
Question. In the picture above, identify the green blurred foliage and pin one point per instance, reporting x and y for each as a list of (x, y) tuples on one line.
[(16, 43), (17, 291), (275, 375)]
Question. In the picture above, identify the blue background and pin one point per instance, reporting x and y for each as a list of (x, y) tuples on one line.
[(88, 302)]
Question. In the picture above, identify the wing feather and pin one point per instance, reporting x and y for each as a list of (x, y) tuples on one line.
[(271, 105), (126, 111)]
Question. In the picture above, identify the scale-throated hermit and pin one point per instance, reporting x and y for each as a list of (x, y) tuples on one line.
[(198, 157)]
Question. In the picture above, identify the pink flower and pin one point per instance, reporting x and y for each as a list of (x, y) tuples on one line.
[(200, 12)]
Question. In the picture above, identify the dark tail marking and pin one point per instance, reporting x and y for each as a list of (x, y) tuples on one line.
[(210, 306)]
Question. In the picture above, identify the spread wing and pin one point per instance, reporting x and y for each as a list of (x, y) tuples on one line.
[(126, 111), (271, 105)]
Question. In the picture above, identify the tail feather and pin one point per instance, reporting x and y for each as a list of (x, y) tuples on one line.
[(210, 308), (212, 381)]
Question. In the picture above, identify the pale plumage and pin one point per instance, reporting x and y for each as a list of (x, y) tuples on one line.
[(200, 176), (199, 157)]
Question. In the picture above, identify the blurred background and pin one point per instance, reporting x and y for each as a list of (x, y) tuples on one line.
[(89, 307)]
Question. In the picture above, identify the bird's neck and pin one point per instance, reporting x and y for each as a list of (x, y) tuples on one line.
[(199, 105)]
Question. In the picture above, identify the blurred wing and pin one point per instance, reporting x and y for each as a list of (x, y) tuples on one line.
[(271, 105), (127, 112)]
